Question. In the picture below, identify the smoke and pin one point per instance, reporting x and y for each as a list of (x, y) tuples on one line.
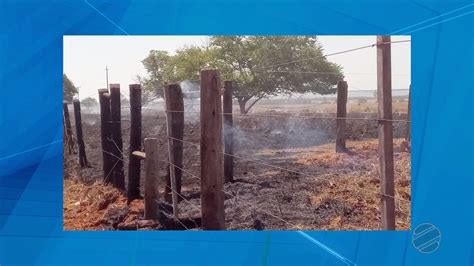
[(90, 110), (191, 97), (252, 133)]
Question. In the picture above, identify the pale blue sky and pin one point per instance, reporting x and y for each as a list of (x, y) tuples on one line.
[(85, 58)]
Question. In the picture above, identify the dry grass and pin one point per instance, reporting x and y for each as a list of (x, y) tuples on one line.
[(338, 192), (343, 195), (350, 195), (329, 106), (85, 205), (90, 206)]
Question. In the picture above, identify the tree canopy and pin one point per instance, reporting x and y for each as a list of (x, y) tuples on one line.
[(69, 90), (89, 102), (124, 101), (261, 66)]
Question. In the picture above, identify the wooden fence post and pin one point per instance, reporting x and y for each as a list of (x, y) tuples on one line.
[(384, 89), (408, 132), (106, 135), (175, 127), (228, 132), (135, 142), (151, 178), (117, 144), (212, 170), (68, 130), (65, 142), (80, 140), (341, 115)]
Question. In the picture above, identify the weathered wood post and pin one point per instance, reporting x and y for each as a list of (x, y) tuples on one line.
[(212, 169), (151, 178), (384, 92), (133, 191), (68, 130), (117, 144), (341, 117), (65, 142), (106, 134), (228, 132), (408, 133), (175, 127), (80, 140)]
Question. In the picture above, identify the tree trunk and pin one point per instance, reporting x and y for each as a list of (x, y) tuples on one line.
[(253, 103), (242, 106), (242, 103)]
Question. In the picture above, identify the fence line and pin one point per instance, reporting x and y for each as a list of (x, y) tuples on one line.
[(197, 177), (312, 176), (324, 117), (120, 155), (252, 160), (295, 172), (182, 196), (309, 117), (252, 205)]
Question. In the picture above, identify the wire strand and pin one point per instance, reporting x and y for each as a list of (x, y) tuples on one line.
[(327, 73), (308, 175), (183, 141), (182, 196), (176, 219), (309, 117), (255, 207), (293, 171), (234, 196), (330, 54), (323, 117)]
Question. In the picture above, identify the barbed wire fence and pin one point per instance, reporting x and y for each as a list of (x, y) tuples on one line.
[(211, 150)]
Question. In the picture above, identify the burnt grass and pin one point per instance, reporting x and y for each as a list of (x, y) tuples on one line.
[(335, 191)]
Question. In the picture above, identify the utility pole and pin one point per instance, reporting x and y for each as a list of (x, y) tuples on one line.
[(107, 76)]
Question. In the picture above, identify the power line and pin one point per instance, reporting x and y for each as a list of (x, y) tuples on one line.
[(332, 54), (328, 73), (107, 76)]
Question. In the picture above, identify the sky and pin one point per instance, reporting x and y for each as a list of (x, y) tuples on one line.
[(86, 57)]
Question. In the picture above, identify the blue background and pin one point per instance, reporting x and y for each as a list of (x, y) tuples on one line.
[(31, 129)]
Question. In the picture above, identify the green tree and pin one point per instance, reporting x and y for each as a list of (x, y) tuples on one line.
[(89, 102), (69, 90), (157, 64), (149, 93), (261, 66)]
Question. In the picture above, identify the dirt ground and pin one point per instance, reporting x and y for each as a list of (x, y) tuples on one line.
[(322, 191)]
